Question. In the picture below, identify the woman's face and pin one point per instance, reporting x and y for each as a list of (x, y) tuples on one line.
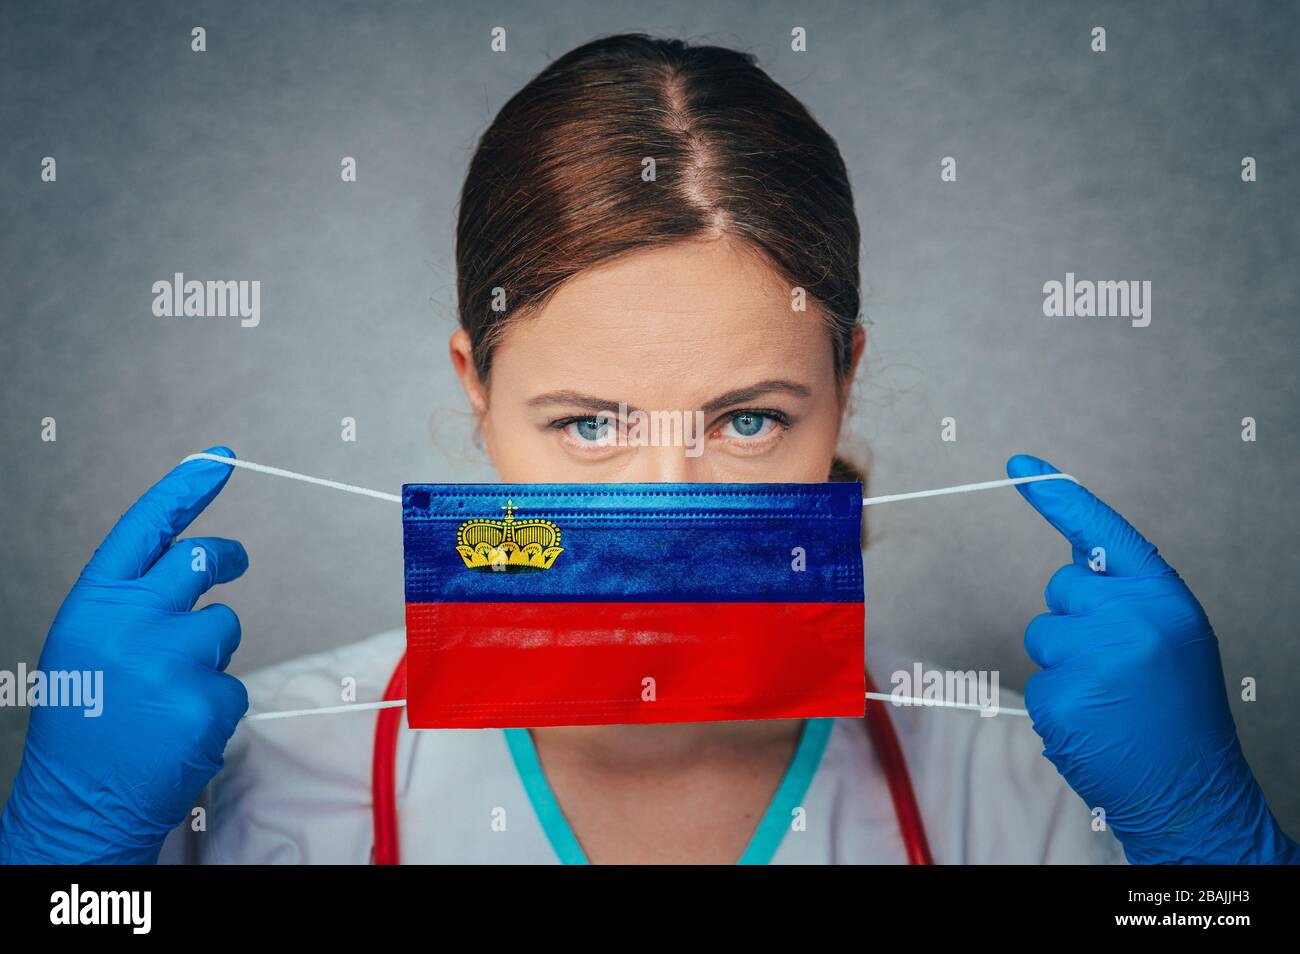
[(731, 383)]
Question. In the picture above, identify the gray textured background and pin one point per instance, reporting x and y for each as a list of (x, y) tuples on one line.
[(226, 165)]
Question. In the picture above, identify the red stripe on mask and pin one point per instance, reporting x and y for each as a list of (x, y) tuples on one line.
[(498, 665)]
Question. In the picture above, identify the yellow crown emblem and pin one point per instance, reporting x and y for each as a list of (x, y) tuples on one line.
[(509, 545)]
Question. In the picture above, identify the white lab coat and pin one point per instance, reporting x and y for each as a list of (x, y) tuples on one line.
[(297, 791)]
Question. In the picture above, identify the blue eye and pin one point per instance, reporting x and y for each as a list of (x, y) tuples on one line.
[(589, 429), (747, 425)]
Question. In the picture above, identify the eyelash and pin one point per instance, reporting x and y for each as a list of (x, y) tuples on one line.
[(781, 419)]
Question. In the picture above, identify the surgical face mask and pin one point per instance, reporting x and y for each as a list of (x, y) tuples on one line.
[(592, 604), (677, 565)]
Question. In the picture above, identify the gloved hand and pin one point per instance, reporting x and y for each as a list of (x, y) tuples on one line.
[(1130, 702), (108, 789)]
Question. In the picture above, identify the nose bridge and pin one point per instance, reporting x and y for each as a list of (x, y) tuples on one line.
[(667, 447), (661, 465)]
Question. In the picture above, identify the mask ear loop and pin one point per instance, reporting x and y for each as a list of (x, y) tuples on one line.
[(395, 498), (391, 702), (966, 488)]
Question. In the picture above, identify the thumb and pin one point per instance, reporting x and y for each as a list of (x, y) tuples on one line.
[(1086, 521)]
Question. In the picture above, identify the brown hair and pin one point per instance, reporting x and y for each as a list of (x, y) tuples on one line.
[(556, 185)]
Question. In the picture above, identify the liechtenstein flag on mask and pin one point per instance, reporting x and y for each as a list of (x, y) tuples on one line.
[(594, 604)]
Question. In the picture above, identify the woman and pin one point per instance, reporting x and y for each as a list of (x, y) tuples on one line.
[(658, 226)]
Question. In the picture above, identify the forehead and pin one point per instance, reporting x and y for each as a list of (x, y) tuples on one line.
[(696, 315)]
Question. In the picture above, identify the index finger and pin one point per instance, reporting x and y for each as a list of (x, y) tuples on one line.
[(1086, 521), (153, 521)]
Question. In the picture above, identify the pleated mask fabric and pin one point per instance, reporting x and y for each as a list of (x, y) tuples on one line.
[(594, 604)]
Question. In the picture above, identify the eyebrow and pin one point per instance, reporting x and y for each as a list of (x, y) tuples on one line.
[(727, 399)]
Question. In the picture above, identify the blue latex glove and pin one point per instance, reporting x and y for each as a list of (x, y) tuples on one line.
[(107, 790), (1131, 703)]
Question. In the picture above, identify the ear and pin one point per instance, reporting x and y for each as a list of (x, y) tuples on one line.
[(462, 361)]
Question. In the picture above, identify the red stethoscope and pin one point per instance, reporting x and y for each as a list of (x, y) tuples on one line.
[(383, 783)]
